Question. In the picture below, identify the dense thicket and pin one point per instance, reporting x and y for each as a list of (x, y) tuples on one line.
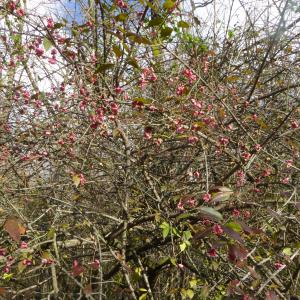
[(148, 152)]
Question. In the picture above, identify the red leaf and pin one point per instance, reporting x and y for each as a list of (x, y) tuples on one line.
[(245, 227), (237, 253), (232, 287), (77, 269)]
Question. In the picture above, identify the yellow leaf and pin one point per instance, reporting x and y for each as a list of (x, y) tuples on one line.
[(76, 180)]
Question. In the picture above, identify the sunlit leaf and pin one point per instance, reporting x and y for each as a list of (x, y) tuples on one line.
[(234, 226), (7, 276), (287, 251), (76, 180), (47, 44), (143, 296), (182, 246), (187, 293), (193, 282), (165, 229), (155, 50), (183, 24)]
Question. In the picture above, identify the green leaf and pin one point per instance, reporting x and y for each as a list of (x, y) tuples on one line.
[(173, 261), (142, 100), (183, 216), (230, 34), (234, 226), (47, 44), (211, 212), (58, 25), (166, 32), (17, 38), (74, 32), (287, 251), (144, 40), (103, 67), (51, 233), (187, 235), (133, 62), (175, 231), (121, 17), (143, 296), (183, 24), (138, 38), (117, 50), (193, 282), (169, 4), (204, 292), (165, 229), (155, 50), (190, 293), (182, 246), (187, 293), (156, 22), (7, 276)]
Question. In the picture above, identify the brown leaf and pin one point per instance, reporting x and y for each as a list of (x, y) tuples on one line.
[(271, 295), (2, 291), (254, 274), (14, 228), (233, 288), (88, 290)]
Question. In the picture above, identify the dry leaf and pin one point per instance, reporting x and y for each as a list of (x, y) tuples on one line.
[(88, 290), (14, 228), (2, 291)]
